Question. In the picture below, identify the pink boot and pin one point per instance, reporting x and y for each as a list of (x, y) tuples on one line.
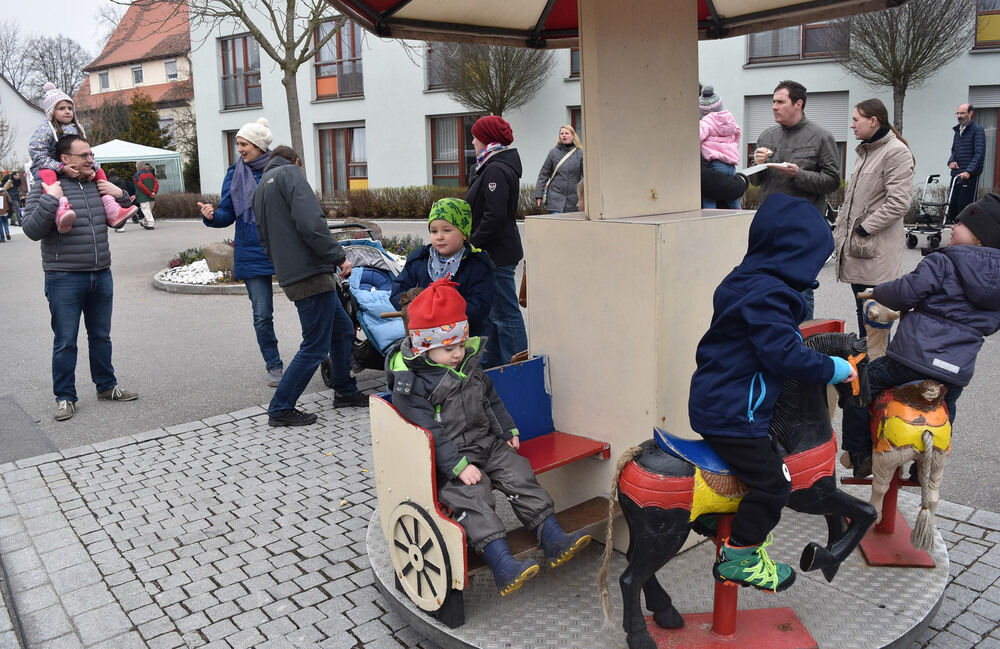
[(64, 216), (115, 213)]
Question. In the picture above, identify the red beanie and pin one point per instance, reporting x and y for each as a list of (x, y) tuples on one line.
[(493, 128), (437, 317)]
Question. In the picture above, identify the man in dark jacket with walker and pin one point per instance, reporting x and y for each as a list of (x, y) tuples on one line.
[(294, 234), (968, 150)]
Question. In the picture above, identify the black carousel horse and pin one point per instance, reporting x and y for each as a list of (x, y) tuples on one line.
[(656, 492)]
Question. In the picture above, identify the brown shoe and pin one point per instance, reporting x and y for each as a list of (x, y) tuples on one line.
[(117, 394)]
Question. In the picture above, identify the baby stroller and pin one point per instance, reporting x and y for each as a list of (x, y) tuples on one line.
[(931, 215), (365, 297)]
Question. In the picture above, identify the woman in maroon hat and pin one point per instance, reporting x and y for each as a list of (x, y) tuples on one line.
[(493, 195)]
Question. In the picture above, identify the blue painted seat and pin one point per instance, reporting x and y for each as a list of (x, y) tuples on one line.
[(695, 451)]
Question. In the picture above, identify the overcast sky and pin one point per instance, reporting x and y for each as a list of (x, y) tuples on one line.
[(74, 18)]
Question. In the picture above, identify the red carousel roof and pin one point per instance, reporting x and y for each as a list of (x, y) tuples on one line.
[(555, 23)]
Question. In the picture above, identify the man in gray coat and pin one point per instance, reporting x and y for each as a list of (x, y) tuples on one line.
[(810, 166), (294, 234), (77, 268)]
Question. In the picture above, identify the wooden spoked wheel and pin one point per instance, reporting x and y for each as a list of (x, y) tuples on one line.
[(419, 556)]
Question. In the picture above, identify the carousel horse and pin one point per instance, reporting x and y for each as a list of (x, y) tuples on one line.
[(910, 422), (663, 496)]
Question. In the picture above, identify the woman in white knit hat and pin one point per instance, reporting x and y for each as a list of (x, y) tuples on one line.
[(250, 262)]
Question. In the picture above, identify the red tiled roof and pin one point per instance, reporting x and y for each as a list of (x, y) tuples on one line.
[(162, 94), (150, 29)]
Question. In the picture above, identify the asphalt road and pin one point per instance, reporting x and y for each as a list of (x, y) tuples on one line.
[(195, 356)]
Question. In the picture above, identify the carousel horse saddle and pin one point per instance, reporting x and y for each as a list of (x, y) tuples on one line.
[(695, 451)]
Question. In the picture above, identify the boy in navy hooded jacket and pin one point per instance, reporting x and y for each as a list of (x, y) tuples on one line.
[(752, 346)]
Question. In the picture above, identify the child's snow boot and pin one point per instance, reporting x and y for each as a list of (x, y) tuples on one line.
[(558, 545), (749, 565), (64, 216), (115, 213), (509, 573)]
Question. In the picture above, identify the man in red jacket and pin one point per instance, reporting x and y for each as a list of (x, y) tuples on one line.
[(146, 187)]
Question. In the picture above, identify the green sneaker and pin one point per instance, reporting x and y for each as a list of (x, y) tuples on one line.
[(750, 566)]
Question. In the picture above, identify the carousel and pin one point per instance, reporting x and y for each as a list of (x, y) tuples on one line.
[(579, 413)]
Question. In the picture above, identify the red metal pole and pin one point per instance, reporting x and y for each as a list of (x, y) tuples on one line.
[(726, 595)]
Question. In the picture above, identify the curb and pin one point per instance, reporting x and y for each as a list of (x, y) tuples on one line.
[(204, 289)]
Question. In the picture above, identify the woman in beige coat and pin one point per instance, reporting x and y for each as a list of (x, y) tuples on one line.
[(868, 234)]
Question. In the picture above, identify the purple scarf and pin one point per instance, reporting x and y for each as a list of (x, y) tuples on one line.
[(243, 184)]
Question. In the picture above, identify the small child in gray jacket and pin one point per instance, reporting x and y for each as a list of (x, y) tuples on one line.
[(436, 381)]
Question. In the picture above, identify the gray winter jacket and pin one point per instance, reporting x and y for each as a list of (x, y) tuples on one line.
[(562, 196), (460, 407), (292, 225), (813, 149), (85, 246), (949, 302)]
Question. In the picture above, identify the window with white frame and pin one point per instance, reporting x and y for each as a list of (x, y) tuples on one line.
[(171, 68), (137, 74), (104, 79), (436, 58), (240, 72), (338, 62)]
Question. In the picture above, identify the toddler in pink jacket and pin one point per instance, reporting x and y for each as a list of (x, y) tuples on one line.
[(720, 138)]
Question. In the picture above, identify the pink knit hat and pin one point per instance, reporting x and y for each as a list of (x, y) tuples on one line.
[(53, 96)]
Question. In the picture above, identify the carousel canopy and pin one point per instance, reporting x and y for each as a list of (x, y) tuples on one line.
[(555, 23)]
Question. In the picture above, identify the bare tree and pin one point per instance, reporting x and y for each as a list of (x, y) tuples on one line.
[(7, 133), (492, 79), (58, 59), (903, 47), (15, 64), (107, 122), (108, 18), (285, 30)]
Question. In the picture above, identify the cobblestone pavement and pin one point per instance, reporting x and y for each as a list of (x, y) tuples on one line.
[(226, 533)]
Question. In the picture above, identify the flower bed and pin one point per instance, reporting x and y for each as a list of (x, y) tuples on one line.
[(193, 273)]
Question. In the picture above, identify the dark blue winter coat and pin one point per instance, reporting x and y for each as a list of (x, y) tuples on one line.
[(968, 149), (949, 302), (249, 258), (474, 279), (753, 344)]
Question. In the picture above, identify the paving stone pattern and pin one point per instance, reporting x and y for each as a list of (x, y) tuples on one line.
[(229, 534)]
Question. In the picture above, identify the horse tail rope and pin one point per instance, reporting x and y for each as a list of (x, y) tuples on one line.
[(602, 577), (922, 536)]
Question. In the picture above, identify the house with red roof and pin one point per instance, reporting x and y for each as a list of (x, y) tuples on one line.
[(148, 52)]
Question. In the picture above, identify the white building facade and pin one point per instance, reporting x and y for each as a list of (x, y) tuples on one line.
[(371, 115), (18, 118)]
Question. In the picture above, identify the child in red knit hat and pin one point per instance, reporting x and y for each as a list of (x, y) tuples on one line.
[(436, 381)]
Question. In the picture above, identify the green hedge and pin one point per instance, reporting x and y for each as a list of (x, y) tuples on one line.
[(181, 206)]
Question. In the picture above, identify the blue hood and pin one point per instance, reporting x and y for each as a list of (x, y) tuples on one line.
[(789, 239)]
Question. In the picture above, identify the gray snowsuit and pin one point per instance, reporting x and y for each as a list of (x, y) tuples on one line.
[(470, 425)]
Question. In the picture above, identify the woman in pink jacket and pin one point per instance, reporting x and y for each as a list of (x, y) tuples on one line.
[(720, 139)]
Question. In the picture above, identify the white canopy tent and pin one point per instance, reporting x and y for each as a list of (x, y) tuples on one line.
[(166, 163)]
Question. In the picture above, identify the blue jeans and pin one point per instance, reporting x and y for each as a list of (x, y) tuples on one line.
[(4, 230), (326, 330), (711, 204), (69, 295), (884, 373), (261, 295), (14, 200), (504, 325)]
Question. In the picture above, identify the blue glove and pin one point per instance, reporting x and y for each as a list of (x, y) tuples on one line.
[(841, 370)]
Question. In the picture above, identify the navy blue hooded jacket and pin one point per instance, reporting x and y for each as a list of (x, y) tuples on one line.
[(753, 344), (949, 302), (249, 258)]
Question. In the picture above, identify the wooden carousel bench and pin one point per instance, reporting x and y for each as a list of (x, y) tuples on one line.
[(428, 549)]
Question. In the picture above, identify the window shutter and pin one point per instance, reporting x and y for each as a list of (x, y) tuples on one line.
[(984, 96), (757, 116)]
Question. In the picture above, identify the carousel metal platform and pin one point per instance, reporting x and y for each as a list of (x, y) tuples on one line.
[(863, 608)]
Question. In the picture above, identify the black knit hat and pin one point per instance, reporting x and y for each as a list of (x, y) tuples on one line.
[(983, 218)]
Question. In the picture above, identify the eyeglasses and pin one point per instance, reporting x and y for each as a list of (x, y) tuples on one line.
[(83, 155)]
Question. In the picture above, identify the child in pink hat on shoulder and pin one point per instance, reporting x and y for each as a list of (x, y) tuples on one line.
[(720, 139), (60, 120)]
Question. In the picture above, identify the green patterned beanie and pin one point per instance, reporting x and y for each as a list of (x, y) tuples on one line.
[(454, 211)]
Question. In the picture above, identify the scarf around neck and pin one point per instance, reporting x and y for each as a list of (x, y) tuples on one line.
[(490, 149), (243, 184), (438, 266)]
